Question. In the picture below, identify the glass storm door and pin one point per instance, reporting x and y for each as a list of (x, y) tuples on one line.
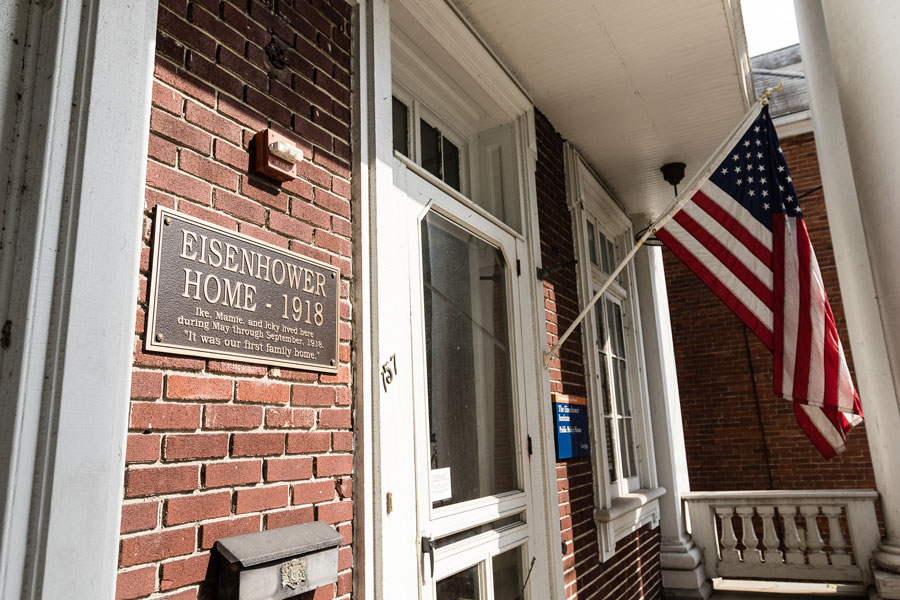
[(473, 505)]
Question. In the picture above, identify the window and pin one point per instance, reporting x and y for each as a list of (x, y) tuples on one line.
[(429, 146), (613, 367), (621, 444)]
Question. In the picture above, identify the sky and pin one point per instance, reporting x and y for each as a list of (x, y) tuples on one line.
[(769, 24)]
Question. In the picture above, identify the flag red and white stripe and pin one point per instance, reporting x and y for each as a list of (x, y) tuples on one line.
[(744, 235)]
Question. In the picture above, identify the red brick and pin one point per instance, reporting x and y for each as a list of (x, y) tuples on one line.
[(312, 132), (342, 441), (152, 547), (184, 82), (146, 384), (197, 507), (264, 235), (334, 464), (210, 532), (335, 512), (299, 187), (216, 75), (185, 32), (309, 213), (228, 416), (161, 480), (341, 226), (230, 155), (334, 418), (206, 214), (332, 243), (139, 516), (286, 518), (314, 491), (264, 193), (182, 572), (224, 474), (240, 112), (257, 444), (167, 98), (163, 361), (290, 226), (135, 584), (243, 69), (193, 446), (175, 182), (162, 150), (342, 396), (288, 469), (265, 498), (142, 448), (266, 105), (294, 418), (313, 395), (304, 442), (341, 187), (179, 131), (208, 170), (263, 391), (186, 387), (210, 121), (164, 415)]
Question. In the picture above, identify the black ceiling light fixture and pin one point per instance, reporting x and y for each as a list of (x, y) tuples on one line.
[(673, 173)]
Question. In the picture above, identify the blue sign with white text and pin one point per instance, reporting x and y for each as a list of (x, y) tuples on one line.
[(571, 422)]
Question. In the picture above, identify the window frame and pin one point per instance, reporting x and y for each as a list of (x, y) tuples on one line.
[(627, 504), (417, 110)]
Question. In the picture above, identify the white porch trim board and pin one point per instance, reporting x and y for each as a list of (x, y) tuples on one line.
[(72, 220)]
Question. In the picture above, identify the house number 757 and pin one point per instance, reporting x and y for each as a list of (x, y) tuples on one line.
[(388, 370)]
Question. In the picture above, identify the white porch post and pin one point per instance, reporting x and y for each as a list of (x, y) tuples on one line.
[(849, 51), (682, 574)]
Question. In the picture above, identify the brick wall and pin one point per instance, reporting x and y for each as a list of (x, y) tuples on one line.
[(219, 448), (733, 442), (634, 570)]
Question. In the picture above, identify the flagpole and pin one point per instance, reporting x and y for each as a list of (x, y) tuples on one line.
[(679, 202)]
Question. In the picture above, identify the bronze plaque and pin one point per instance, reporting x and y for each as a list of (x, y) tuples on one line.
[(215, 293)]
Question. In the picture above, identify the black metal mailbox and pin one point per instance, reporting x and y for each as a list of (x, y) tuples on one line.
[(279, 563)]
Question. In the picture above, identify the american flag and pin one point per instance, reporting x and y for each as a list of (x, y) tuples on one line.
[(744, 235)]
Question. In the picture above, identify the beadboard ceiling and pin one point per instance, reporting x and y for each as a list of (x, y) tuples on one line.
[(632, 84)]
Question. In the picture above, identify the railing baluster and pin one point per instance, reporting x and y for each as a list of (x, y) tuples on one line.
[(793, 554), (814, 541), (771, 552), (839, 556), (748, 536), (729, 540)]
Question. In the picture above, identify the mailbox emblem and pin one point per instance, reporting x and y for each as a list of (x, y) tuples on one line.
[(293, 573)]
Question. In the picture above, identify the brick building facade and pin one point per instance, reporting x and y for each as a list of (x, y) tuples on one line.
[(218, 448), (738, 434)]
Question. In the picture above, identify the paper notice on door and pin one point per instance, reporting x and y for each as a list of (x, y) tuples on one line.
[(440, 484)]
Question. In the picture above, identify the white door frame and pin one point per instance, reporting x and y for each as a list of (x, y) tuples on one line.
[(72, 213), (386, 501)]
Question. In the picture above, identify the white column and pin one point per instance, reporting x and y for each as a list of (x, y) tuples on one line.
[(682, 574), (72, 219), (849, 51)]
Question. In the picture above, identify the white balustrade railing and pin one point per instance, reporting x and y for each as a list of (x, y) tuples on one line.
[(786, 535)]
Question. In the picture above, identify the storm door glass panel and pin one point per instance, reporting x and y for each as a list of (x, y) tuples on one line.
[(461, 586), (451, 164), (507, 569), (469, 380), (592, 242)]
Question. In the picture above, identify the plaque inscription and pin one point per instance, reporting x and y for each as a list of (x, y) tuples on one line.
[(215, 293)]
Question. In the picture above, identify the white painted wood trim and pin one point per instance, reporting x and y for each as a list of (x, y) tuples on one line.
[(76, 267)]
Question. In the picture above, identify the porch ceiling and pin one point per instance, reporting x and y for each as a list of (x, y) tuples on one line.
[(633, 85)]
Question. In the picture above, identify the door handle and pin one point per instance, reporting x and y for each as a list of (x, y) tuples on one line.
[(428, 546)]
